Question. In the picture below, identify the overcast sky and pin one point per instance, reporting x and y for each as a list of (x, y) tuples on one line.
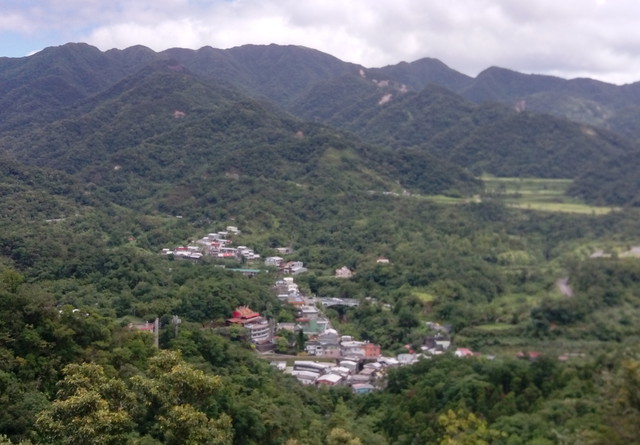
[(567, 38)]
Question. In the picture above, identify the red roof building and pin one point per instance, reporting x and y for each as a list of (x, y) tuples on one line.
[(146, 327), (371, 350), (464, 352), (243, 315), (531, 355)]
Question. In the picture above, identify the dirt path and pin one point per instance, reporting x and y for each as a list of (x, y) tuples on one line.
[(563, 286)]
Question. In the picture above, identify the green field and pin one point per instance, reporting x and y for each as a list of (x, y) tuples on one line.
[(530, 193), (493, 327), (424, 297)]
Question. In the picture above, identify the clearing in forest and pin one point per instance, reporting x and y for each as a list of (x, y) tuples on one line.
[(541, 194)]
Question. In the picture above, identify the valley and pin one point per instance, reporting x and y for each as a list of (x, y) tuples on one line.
[(442, 213)]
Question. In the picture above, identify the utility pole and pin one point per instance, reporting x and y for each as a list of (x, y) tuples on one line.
[(156, 333), (176, 322)]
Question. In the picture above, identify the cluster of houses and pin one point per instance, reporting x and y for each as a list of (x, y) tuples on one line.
[(217, 245), (288, 291), (330, 344), (323, 340), (351, 362), (362, 378), (309, 319), (186, 252), (287, 267), (356, 364)]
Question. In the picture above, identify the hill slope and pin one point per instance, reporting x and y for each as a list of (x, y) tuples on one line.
[(165, 126), (73, 106), (420, 73), (582, 100), (481, 137)]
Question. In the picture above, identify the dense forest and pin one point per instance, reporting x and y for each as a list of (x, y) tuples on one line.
[(107, 158)]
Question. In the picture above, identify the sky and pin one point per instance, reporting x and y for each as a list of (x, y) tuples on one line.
[(599, 39)]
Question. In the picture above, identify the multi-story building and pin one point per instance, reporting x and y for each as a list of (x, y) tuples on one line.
[(260, 330)]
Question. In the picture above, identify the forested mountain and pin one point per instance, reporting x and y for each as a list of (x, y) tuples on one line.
[(487, 138), (582, 100), (285, 74), (164, 125), (37, 89), (417, 75), (615, 181), (37, 86), (109, 157), (277, 73)]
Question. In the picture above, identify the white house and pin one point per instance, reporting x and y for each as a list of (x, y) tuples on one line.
[(273, 261), (260, 331)]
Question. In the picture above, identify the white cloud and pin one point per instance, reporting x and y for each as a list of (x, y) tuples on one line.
[(16, 22), (569, 38)]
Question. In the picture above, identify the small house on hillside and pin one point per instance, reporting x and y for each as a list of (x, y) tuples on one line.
[(464, 352), (293, 267), (344, 272), (329, 380), (273, 261), (362, 388), (144, 327)]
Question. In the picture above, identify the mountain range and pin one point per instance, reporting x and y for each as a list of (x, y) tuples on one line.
[(290, 113), (108, 158)]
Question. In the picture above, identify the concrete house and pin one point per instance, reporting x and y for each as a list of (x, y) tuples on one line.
[(328, 336), (310, 312), (332, 350), (273, 261), (329, 380), (344, 272), (260, 330), (362, 388)]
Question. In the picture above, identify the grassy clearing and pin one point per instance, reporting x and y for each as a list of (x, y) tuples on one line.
[(424, 297), (493, 327), (512, 299), (441, 199), (563, 207), (541, 194)]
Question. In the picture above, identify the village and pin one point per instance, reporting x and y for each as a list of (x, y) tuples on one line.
[(334, 359), (326, 358)]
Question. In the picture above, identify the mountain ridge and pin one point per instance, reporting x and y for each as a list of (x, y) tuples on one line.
[(165, 125), (283, 73), (410, 106)]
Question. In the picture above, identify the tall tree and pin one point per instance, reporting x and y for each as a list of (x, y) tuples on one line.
[(90, 409)]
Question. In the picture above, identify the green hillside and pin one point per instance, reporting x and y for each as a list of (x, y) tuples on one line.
[(614, 182), (165, 126), (481, 138), (584, 101)]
